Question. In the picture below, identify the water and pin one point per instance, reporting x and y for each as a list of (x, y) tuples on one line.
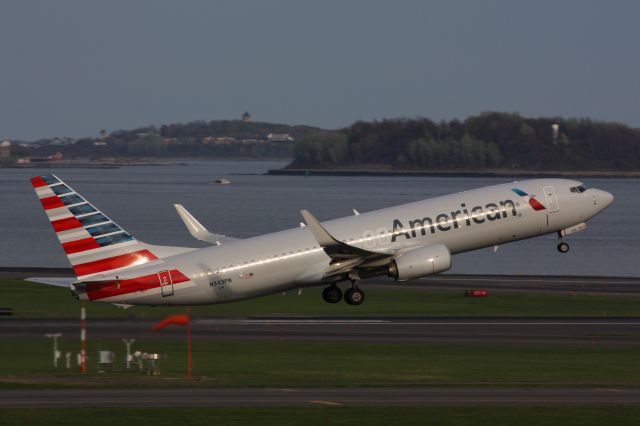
[(140, 199)]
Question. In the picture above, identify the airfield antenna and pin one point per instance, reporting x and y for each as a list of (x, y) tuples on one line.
[(83, 338), (128, 343), (56, 352)]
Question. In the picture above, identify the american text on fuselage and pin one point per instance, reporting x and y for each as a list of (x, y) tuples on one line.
[(444, 222)]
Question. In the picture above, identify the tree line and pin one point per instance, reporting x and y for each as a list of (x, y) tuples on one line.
[(490, 140)]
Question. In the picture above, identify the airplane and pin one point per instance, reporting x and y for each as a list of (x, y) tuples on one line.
[(404, 242)]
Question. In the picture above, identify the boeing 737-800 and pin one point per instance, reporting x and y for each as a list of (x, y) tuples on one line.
[(404, 242)]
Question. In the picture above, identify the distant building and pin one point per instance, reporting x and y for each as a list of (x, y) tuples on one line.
[(220, 140), (58, 141), (99, 143), (279, 137), (5, 149), (246, 117)]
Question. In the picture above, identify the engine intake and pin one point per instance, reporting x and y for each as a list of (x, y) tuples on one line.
[(420, 263)]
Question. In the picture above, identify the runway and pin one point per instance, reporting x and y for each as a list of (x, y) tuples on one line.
[(471, 330), (532, 283), (312, 397)]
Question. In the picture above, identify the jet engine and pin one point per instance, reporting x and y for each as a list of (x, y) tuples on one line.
[(420, 262)]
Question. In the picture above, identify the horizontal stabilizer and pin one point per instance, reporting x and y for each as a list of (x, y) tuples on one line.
[(197, 230), (95, 284), (56, 281)]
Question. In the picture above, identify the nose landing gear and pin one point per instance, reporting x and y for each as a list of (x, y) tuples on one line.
[(563, 247)]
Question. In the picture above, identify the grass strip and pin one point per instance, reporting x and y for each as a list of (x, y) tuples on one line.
[(332, 364), (30, 300)]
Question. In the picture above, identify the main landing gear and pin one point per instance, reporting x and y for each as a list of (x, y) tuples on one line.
[(563, 247), (353, 296), (332, 294)]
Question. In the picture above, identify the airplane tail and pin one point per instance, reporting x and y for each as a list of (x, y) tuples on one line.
[(93, 243)]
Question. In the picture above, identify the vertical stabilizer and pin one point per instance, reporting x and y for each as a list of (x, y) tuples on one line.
[(93, 243)]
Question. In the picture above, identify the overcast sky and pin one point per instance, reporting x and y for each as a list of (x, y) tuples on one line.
[(71, 68)]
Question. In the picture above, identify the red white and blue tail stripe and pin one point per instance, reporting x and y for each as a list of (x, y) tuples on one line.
[(93, 243)]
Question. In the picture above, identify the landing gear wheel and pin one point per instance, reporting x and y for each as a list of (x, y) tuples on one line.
[(332, 294), (354, 296), (563, 247)]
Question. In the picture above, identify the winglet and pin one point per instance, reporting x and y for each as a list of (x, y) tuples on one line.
[(321, 235), (197, 230), (334, 248)]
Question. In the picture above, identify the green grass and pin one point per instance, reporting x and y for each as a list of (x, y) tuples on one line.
[(38, 300), (344, 364), (353, 416)]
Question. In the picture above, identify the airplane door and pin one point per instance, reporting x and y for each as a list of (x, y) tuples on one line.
[(166, 283), (552, 198)]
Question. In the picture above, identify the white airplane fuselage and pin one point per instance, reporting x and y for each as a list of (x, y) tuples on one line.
[(294, 258)]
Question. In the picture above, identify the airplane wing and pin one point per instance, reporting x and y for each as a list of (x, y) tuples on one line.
[(198, 231), (345, 258)]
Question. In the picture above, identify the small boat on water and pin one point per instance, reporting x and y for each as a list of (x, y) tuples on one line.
[(222, 181)]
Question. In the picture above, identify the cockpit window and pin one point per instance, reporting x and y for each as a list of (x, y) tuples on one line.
[(578, 189)]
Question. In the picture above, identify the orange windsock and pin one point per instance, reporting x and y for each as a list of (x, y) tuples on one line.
[(180, 319)]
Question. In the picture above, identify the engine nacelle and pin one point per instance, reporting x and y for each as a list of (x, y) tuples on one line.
[(420, 262)]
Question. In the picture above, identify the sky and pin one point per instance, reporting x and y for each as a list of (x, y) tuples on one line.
[(72, 68)]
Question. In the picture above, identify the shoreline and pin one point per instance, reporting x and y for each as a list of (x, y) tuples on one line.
[(117, 163), (90, 164), (457, 173)]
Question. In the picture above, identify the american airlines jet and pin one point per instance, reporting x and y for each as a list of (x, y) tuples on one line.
[(404, 242)]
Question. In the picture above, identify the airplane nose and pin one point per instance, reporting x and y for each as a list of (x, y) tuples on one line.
[(604, 198)]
